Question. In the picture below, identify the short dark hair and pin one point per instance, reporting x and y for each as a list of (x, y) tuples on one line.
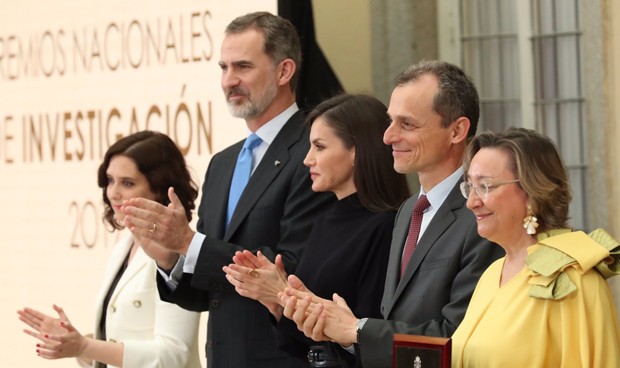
[(160, 161), (456, 93), (535, 161), (360, 121), (281, 38)]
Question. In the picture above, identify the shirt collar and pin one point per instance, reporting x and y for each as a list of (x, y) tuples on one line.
[(440, 192), (270, 130)]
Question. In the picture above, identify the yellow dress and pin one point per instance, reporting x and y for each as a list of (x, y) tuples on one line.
[(507, 327)]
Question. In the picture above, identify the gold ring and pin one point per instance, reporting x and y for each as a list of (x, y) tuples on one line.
[(152, 228), (254, 273)]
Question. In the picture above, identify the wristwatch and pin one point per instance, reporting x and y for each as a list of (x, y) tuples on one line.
[(360, 325)]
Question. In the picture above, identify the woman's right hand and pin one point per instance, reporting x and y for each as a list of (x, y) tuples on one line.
[(41, 323), (58, 336)]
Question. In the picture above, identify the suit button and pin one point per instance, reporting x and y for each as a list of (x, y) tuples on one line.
[(215, 303), (137, 303)]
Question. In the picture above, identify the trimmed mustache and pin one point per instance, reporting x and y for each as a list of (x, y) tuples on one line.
[(237, 91)]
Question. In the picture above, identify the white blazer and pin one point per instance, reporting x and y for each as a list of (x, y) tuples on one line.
[(154, 333)]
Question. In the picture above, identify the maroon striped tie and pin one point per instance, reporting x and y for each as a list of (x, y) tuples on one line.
[(414, 231)]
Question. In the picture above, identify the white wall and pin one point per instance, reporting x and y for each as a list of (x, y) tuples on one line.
[(73, 77)]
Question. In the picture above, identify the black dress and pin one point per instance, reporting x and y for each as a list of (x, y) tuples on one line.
[(346, 253)]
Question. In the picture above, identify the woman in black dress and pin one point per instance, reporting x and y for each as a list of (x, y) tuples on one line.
[(347, 251)]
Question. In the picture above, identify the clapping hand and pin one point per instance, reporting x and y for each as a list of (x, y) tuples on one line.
[(162, 231), (59, 339), (256, 277), (319, 319)]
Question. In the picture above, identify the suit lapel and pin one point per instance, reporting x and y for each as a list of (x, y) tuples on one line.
[(399, 236), (442, 220), (274, 161), (138, 262), (116, 259)]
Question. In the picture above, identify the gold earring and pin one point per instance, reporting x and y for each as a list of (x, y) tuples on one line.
[(530, 222)]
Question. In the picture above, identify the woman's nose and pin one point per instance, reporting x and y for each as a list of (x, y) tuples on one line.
[(113, 191), (309, 159), (473, 200)]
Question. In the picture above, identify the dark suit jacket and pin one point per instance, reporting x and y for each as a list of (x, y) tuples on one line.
[(440, 278), (274, 215)]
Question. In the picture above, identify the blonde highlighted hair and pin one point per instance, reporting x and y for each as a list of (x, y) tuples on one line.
[(535, 161)]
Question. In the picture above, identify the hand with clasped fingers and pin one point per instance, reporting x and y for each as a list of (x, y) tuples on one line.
[(162, 231), (59, 339), (256, 277), (319, 319)]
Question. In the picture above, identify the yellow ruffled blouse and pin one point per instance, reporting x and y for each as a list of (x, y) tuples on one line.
[(557, 312)]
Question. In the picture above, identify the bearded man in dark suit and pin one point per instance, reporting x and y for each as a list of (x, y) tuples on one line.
[(260, 61)]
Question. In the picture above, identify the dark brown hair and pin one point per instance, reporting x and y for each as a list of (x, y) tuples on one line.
[(281, 39), (160, 161), (456, 93), (359, 121), (536, 163)]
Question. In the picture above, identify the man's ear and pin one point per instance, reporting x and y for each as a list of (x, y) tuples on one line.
[(286, 70), (460, 129)]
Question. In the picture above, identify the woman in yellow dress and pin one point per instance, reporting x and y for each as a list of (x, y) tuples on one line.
[(546, 303)]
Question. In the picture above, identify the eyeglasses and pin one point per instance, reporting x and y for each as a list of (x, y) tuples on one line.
[(482, 189)]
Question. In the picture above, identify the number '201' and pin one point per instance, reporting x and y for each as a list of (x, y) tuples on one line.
[(86, 226)]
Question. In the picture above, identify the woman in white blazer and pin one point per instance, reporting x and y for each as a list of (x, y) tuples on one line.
[(134, 328)]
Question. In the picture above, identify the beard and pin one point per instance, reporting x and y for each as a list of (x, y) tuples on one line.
[(251, 107)]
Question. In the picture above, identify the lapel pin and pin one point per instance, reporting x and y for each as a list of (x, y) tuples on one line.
[(277, 163)]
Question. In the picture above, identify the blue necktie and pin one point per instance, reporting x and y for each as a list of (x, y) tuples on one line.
[(242, 173)]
